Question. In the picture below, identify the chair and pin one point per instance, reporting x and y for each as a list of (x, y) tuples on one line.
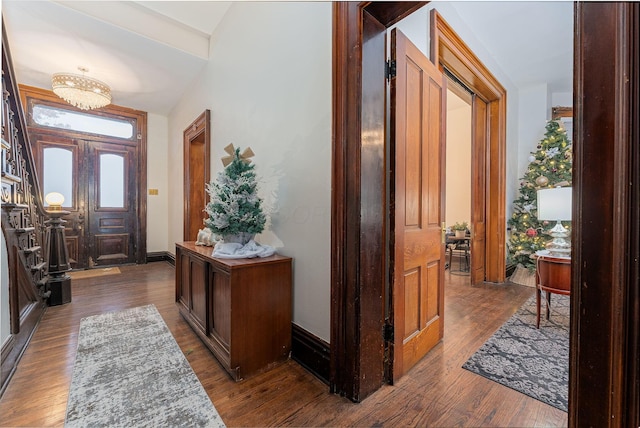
[(462, 248), (553, 275)]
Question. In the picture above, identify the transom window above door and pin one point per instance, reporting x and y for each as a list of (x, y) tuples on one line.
[(56, 117)]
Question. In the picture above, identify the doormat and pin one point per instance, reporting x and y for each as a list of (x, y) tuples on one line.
[(92, 273), (532, 361), (130, 372)]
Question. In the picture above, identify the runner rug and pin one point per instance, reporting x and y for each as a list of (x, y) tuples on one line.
[(130, 372), (532, 361)]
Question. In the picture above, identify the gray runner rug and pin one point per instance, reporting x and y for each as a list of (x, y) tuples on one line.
[(130, 372), (532, 361)]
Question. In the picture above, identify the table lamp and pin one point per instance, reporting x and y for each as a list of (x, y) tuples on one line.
[(554, 204)]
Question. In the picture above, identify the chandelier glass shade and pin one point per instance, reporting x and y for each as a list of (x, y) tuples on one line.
[(81, 91)]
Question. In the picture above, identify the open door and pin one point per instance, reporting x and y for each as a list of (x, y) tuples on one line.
[(417, 205)]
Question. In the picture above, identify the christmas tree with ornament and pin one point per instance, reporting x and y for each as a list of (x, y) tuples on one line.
[(550, 166), (235, 211)]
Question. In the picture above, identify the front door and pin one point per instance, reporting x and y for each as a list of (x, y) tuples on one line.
[(417, 209), (111, 206), (98, 160), (97, 180)]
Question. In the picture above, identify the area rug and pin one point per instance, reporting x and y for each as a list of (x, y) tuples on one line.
[(532, 361), (92, 273), (130, 372)]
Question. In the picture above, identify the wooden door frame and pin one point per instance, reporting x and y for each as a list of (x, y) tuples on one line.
[(605, 299), (30, 95), (199, 127), (608, 315), (453, 54)]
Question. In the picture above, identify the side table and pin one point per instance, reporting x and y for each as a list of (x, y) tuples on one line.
[(553, 275)]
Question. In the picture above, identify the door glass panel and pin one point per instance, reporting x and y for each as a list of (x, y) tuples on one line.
[(58, 173), (111, 181), (66, 119)]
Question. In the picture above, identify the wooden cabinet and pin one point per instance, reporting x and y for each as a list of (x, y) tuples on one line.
[(240, 308)]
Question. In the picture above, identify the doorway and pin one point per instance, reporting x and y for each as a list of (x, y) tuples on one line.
[(358, 118), (197, 146), (458, 178), (608, 316), (97, 161)]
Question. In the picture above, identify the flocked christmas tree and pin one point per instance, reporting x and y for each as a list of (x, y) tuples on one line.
[(550, 166), (235, 207)]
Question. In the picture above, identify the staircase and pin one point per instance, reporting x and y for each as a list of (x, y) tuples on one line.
[(23, 225)]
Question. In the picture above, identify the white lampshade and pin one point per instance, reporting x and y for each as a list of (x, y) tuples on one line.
[(554, 203), (54, 200)]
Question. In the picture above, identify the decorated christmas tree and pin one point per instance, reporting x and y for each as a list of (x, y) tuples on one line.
[(235, 208), (550, 166)]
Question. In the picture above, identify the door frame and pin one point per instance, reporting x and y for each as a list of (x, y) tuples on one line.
[(453, 54), (604, 34), (30, 95), (200, 127)]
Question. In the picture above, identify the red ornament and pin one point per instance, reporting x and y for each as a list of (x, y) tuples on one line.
[(531, 232)]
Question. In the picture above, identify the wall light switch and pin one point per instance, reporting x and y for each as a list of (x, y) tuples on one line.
[(153, 191)]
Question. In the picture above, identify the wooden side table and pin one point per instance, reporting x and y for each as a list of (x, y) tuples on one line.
[(553, 275)]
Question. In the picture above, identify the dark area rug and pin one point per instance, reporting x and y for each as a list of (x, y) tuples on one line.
[(532, 361), (130, 372)]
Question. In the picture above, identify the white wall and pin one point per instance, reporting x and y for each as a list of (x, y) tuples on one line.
[(268, 86), (533, 115), (157, 178)]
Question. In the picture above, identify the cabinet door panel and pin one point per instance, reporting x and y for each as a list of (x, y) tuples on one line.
[(199, 270), (221, 308), (183, 292)]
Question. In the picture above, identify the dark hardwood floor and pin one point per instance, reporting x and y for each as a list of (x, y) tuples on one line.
[(436, 392)]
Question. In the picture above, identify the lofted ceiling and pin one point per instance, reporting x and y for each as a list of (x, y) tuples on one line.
[(149, 52)]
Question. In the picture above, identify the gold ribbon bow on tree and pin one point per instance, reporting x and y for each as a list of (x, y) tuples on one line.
[(244, 157)]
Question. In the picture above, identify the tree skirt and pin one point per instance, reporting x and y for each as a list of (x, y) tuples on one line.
[(532, 361), (130, 372), (523, 276)]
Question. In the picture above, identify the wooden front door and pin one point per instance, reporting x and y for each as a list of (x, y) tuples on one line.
[(97, 160), (101, 197), (111, 204), (417, 209)]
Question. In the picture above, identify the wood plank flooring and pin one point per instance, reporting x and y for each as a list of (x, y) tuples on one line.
[(436, 392)]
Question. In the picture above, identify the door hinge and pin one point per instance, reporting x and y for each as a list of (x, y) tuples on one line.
[(390, 69), (387, 332)]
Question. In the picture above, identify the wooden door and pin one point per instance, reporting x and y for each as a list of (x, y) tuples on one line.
[(112, 203), (417, 209), (197, 142), (98, 181), (478, 186), (60, 162)]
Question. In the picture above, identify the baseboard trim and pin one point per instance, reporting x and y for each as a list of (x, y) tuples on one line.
[(311, 352), (161, 256)]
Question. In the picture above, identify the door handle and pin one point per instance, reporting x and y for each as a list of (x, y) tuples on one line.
[(444, 233), (79, 223)]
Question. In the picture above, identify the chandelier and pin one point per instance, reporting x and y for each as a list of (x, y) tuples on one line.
[(81, 91)]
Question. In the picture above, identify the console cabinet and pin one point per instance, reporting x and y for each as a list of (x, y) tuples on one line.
[(240, 308)]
